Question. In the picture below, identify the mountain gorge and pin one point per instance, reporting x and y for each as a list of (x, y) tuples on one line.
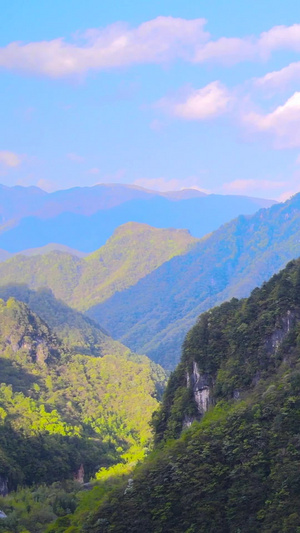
[(93, 437), (237, 467)]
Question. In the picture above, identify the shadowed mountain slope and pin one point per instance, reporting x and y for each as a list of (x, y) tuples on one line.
[(80, 334), (154, 315), (237, 469)]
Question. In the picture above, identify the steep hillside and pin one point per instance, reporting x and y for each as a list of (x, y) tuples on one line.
[(80, 334), (59, 411), (130, 254), (154, 315), (238, 468), (85, 225)]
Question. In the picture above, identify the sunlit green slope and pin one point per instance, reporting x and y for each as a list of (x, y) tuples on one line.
[(60, 410), (131, 253)]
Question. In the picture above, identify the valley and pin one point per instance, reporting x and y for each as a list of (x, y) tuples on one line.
[(87, 344), (150, 267)]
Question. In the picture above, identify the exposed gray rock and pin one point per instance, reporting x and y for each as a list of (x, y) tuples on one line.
[(286, 323), (3, 486), (201, 388)]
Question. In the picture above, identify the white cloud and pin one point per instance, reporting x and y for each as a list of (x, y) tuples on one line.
[(231, 50), (283, 123), (226, 50), (9, 159), (279, 38), (280, 78), (199, 104), (155, 41)]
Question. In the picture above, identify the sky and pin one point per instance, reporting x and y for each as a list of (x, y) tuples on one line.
[(161, 94)]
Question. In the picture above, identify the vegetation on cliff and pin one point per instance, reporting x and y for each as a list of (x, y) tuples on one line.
[(237, 467)]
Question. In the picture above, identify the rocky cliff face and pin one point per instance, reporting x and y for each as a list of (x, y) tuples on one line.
[(3, 486), (232, 349), (200, 384)]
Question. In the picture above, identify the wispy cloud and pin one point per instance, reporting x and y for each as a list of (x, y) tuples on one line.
[(232, 50), (155, 41), (280, 78), (9, 159), (283, 123), (199, 104)]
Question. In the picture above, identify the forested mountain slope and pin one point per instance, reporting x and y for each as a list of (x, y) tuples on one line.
[(154, 315), (130, 254), (237, 469), (80, 334), (84, 218), (59, 410)]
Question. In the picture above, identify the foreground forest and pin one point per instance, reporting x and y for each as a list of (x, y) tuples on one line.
[(65, 416), (237, 467)]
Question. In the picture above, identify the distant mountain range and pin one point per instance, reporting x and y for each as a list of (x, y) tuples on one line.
[(83, 218), (147, 286), (154, 315)]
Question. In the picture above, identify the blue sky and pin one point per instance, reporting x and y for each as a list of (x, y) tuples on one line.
[(162, 94)]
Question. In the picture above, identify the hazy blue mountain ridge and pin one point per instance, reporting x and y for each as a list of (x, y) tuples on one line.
[(84, 218), (154, 315)]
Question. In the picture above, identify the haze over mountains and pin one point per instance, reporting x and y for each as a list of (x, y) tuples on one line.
[(84, 218), (147, 286), (154, 315), (76, 390)]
